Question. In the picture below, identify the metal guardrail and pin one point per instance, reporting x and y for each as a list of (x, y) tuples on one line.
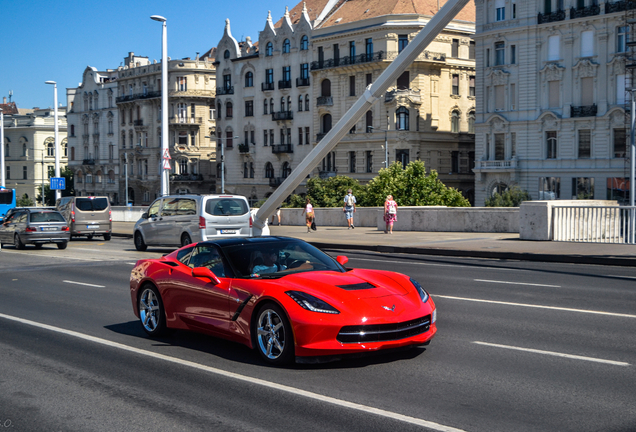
[(605, 224)]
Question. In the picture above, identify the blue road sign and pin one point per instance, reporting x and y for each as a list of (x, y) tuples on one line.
[(58, 183)]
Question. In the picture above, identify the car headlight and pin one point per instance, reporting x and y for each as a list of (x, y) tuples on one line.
[(423, 294), (434, 317), (311, 303)]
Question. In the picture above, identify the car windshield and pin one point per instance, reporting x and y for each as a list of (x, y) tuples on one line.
[(47, 217), (91, 204), (277, 258)]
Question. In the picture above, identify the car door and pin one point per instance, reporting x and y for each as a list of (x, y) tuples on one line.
[(166, 230), (199, 302), (148, 226), (7, 228)]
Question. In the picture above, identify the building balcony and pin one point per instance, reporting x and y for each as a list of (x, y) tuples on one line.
[(496, 165), (244, 148), (144, 95), (619, 6), (185, 120), (266, 86), (585, 11), (282, 148), (139, 122), (275, 181), (88, 162), (283, 115), (225, 90), (347, 61), (302, 82), (186, 177), (284, 84), (583, 111), (413, 95), (324, 101), (551, 17)]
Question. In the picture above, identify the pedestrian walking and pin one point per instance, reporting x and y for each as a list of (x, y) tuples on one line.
[(390, 214), (309, 214), (349, 208), (277, 216)]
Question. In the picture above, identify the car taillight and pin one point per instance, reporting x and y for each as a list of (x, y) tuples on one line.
[(250, 221), (30, 229), (110, 216), (65, 228), (73, 213), (201, 222)]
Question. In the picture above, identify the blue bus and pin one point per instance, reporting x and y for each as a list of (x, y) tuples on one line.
[(7, 201)]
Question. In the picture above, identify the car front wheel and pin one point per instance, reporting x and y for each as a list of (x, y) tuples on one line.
[(274, 338), (151, 313), (62, 245), (140, 244)]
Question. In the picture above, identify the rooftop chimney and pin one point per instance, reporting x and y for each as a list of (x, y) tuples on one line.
[(4, 100)]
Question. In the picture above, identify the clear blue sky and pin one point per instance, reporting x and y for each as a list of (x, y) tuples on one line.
[(57, 40)]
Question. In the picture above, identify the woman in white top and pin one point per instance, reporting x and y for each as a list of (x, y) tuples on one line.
[(390, 213), (309, 214)]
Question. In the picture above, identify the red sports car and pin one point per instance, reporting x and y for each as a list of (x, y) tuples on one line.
[(282, 296)]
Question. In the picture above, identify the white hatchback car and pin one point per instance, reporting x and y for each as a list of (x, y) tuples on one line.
[(178, 220)]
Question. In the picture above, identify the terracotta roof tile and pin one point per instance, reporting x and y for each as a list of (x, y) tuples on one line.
[(9, 108), (314, 7)]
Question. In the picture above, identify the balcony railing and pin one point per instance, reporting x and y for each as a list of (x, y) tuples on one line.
[(324, 101), (275, 181), (346, 61), (186, 120), (146, 95), (284, 84), (496, 164), (585, 11), (619, 6), (225, 90), (88, 162), (583, 111), (551, 17), (186, 177), (244, 148), (302, 82), (267, 86), (282, 148), (283, 115)]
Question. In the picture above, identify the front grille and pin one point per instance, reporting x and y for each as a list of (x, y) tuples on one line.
[(384, 332)]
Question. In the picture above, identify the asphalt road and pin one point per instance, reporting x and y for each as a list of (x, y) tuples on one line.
[(520, 347)]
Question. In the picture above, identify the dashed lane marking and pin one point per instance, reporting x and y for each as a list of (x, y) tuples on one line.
[(85, 284), (517, 283)]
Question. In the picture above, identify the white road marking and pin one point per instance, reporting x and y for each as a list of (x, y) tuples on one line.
[(85, 284), (517, 283), (86, 249), (433, 264), (537, 306), (556, 354), (622, 277), (244, 378)]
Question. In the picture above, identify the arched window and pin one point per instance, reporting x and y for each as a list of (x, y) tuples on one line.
[(455, 121), (471, 122), (72, 153), (183, 166), (269, 49), (300, 103), (265, 106), (24, 150), (271, 105), (226, 54), (402, 119), (249, 79), (304, 43), (218, 111), (228, 110), (282, 103), (286, 46), (326, 123), (286, 171), (269, 170), (7, 147), (72, 130), (289, 104), (369, 121), (325, 88), (306, 102)]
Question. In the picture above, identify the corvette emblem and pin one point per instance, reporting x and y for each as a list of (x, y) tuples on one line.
[(391, 309)]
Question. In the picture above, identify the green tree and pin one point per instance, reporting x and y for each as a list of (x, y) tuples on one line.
[(49, 194), (411, 186), (329, 192), (25, 201), (511, 197)]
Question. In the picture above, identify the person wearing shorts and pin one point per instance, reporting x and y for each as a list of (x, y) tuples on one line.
[(349, 208)]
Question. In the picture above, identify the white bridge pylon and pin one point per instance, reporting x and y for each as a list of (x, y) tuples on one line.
[(362, 105)]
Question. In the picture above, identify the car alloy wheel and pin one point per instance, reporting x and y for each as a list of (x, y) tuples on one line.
[(151, 311), (140, 245), (274, 335)]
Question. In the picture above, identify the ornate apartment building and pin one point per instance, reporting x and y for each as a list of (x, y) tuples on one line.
[(93, 122), (29, 148), (312, 66), (191, 91), (551, 98)]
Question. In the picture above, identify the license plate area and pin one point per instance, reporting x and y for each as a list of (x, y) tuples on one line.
[(92, 227), (228, 231), (48, 229)]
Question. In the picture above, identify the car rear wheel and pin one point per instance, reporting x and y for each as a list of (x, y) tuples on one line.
[(274, 338), (151, 313), (140, 244), (107, 237), (185, 239), (62, 245), (17, 242), (90, 236)]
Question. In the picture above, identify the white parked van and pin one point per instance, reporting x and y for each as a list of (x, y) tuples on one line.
[(178, 220)]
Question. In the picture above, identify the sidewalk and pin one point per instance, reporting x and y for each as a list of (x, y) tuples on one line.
[(477, 245)]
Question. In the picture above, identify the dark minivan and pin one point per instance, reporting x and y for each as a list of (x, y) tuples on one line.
[(87, 215)]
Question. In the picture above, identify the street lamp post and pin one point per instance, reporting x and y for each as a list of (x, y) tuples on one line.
[(386, 144), (222, 161), (1, 148), (58, 193), (165, 179)]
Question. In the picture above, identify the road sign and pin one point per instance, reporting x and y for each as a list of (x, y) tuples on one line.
[(58, 183), (166, 154), (166, 164)]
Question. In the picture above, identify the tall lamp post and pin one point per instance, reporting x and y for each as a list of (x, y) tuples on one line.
[(165, 168), (1, 148), (222, 161), (58, 193), (386, 145)]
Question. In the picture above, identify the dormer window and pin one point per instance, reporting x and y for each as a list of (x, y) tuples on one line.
[(269, 49), (226, 54)]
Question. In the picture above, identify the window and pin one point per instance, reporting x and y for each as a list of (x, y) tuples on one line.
[(587, 91), (471, 86), (286, 46), (245, 170), (307, 136), (500, 53), (402, 156), (111, 152), (514, 11), (24, 173), (403, 41), (286, 171), (499, 98), (326, 123), (306, 102), (183, 137), (182, 112), (229, 139), (554, 48), (50, 149), (455, 121), (271, 137), (300, 136), (282, 104), (369, 79), (182, 83), (300, 103), (621, 39), (183, 166), (551, 145), (352, 85), (229, 110), (500, 146), (554, 98), (269, 76), (471, 122), (227, 82), (265, 107), (24, 150), (352, 51), (513, 54), (455, 48), (287, 73), (587, 43), (218, 111), (304, 43), (249, 79), (304, 71), (249, 108), (487, 57), (403, 81), (584, 144), (265, 137), (471, 50), (251, 169), (369, 161), (8, 172), (368, 44), (549, 188), (500, 10), (402, 120), (455, 84), (269, 170), (620, 143), (211, 112), (352, 161), (353, 129), (226, 54), (269, 49), (369, 121), (618, 189), (325, 88), (583, 188)]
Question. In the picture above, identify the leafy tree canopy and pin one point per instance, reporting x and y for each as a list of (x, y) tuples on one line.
[(24, 201), (512, 197)]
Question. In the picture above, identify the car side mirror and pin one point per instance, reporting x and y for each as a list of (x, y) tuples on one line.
[(144, 215), (342, 260), (204, 272)]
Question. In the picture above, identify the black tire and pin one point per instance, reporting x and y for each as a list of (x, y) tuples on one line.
[(90, 236), (152, 315), (62, 245), (185, 239), (38, 245), (17, 242), (107, 237), (273, 336), (140, 244)]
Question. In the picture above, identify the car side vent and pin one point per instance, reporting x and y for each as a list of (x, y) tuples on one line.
[(358, 286), (170, 263)]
